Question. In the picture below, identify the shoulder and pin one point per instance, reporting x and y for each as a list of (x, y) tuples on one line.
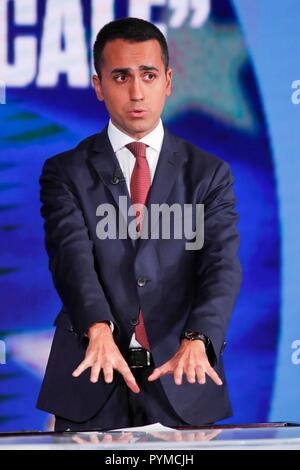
[(197, 160), (75, 156)]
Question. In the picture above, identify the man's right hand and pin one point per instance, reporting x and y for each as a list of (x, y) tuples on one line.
[(103, 353)]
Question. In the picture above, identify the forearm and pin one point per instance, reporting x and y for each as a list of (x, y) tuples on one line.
[(70, 251), (213, 306), (218, 271)]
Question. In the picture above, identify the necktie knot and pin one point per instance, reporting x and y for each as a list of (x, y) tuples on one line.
[(138, 149)]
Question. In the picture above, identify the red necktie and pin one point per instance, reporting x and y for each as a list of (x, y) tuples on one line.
[(139, 187)]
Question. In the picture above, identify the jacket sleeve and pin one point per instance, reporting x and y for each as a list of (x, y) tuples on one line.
[(218, 274), (70, 251)]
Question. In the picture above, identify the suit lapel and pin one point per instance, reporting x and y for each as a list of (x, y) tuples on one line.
[(168, 166), (105, 163)]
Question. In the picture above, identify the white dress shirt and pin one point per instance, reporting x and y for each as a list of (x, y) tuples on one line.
[(126, 159)]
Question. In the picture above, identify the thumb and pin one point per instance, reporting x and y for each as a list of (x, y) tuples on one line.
[(155, 374)]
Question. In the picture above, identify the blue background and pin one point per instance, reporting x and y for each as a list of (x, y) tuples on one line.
[(232, 96)]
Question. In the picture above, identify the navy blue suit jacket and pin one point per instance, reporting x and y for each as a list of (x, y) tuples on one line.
[(97, 279)]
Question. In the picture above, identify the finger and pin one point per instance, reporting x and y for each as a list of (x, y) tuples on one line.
[(125, 437), (79, 440), (107, 438), (191, 374), (177, 436), (129, 378), (200, 372), (81, 368), (213, 434), (156, 373), (189, 436), (178, 375), (95, 371), (94, 439), (214, 376), (108, 373), (160, 371)]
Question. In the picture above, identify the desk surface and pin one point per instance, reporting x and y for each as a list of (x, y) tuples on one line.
[(259, 436)]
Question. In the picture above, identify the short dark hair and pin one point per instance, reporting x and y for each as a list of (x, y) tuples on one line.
[(131, 30)]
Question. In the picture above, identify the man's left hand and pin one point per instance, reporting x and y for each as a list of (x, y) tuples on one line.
[(190, 359)]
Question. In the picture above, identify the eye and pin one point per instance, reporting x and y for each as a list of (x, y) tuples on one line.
[(120, 78), (149, 76)]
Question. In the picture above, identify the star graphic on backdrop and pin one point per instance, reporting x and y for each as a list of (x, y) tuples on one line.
[(207, 63)]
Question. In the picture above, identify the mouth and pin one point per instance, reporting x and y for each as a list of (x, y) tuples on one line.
[(137, 113)]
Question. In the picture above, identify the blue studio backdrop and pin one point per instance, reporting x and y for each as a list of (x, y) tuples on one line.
[(235, 94)]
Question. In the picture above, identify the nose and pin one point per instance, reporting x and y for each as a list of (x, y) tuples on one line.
[(136, 90)]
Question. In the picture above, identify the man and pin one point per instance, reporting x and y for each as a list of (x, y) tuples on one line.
[(141, 332)]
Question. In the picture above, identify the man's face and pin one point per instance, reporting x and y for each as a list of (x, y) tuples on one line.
[(134, 85)]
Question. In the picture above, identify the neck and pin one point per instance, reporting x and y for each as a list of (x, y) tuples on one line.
[(136, 135)]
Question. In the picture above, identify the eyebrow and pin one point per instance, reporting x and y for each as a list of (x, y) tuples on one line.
[(127, 70)]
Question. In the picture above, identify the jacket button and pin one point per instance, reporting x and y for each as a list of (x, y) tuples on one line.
[(134, 321), (141, 281)]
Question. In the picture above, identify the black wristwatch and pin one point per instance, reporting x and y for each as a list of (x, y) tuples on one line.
[(193, 335)]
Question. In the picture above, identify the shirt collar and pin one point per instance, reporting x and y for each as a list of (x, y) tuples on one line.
[(119, 139)]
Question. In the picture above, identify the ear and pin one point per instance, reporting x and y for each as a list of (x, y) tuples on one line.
[(169, 75), (98, 87)]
